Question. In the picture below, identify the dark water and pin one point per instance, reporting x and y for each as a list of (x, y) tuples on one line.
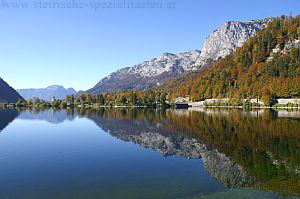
[(141, 154)]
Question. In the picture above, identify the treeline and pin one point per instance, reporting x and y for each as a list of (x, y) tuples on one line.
[(130, 98), (253, 71), (125, 99), (39, 103)]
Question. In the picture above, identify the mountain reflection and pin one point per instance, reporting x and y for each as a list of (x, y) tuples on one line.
[(54, 116), (256, 149), (7, 116), (152, 130)]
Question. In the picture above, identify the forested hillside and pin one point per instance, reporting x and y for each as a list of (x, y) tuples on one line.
[(268, 65)]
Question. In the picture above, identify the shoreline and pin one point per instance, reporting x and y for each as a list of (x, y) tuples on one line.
[(251, 107), (145, 107)]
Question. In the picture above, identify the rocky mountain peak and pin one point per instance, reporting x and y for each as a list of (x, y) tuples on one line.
[(147, 74), (167, 62), (228, 37)]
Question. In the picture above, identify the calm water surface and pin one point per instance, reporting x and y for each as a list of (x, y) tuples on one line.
[(141, 154)]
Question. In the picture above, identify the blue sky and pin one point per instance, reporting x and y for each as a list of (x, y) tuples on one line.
[(77, 47)]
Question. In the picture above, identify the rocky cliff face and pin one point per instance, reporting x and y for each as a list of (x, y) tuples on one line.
[(8, 94), (59, 92), (286, 49), (228, 38), (155, 72)]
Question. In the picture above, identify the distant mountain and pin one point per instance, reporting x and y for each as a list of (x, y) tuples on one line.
[(59, 92), (8, 94), (155, 72)]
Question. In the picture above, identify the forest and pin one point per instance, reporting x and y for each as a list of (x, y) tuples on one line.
[(253, 71)]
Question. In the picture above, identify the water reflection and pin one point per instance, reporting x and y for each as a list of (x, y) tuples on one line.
[(257, 149), (7, 116), (54, 116), (160, 132)]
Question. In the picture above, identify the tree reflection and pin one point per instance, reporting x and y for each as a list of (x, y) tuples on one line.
[(267, 146)]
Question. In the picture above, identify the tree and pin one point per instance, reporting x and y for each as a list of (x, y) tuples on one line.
[(73, 99), (123, 100), (82, 97), (36, 101), (56, 103), (298, 32), (163, 99), (133, 98), (146, 99), (89, 99), (63, 104), (266, 97), (77, 101), (69, 100), (19, 103), (29, 102), (157, 98), (100, 99)]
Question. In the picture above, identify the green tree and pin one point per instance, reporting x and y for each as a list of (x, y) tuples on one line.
[(19, 103), (133, 98), (163, 99), (29, 102), (100, 99), (69, 100), (123, 100), (146, 100)]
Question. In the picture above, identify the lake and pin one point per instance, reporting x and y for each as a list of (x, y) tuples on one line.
[(149, 154)]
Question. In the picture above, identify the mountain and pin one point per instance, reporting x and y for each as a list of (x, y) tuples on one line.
[(155, 72), (7, 93), (226, 39), (147, 74), (59, 92), (267, 67)]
